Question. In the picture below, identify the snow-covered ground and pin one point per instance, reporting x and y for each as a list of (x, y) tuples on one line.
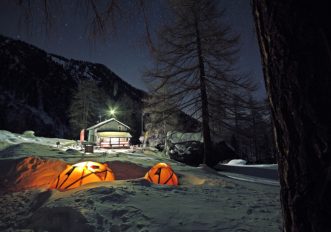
[(204, 200)]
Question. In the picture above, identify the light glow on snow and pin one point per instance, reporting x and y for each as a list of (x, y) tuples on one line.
[(131, 202)]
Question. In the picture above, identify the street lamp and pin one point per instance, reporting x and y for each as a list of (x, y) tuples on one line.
[(112, 112)]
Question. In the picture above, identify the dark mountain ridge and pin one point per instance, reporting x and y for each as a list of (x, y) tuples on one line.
[(37, 88)]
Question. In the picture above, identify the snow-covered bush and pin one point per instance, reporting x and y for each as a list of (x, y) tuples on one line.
[(237, 162), (185, 147), (29, 134)]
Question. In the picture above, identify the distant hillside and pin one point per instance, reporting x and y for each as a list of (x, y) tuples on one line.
[(37, 88)]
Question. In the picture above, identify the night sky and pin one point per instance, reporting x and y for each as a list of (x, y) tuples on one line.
[(124, 50)]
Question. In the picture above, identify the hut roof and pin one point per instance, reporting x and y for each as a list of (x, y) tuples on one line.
[(107, 121)]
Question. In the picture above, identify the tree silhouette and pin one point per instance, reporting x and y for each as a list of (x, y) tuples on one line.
[(194, 63), (84, 108)]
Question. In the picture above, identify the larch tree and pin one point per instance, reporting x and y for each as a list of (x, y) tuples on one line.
[(194, 60), (295, 42), (159, 120), (84, 108), (257, 129)]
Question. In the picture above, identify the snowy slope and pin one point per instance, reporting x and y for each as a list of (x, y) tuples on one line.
[(204, 200)]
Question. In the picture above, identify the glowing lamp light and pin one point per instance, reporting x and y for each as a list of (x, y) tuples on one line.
[(112, 111)]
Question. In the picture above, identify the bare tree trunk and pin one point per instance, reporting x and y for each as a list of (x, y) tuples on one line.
[(295, 40), (204, 102)]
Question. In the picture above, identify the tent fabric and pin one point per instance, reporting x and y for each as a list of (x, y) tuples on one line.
[(82, 173), (162, 173)]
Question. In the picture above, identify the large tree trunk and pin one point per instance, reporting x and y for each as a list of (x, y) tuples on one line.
[(295, 43)]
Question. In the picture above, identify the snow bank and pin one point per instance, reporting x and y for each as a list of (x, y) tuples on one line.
[(28, 173), (127, 170), (28, 137), (240, 162), (237, 162), (204, 200)]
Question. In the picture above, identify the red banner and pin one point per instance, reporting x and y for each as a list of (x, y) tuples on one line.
[(82, 135)]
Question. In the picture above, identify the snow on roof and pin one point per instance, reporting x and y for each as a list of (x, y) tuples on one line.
[(104, 122)]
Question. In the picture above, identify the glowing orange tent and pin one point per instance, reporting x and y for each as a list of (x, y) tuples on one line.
[(82, 173), (162, 173)]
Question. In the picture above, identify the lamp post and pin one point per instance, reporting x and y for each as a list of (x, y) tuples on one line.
[(112, 112), (142, 122)]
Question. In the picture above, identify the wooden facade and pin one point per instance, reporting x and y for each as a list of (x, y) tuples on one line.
[(110, 134)]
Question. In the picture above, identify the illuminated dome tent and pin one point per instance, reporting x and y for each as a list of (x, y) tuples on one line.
[(82, 173), (162, 173)]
